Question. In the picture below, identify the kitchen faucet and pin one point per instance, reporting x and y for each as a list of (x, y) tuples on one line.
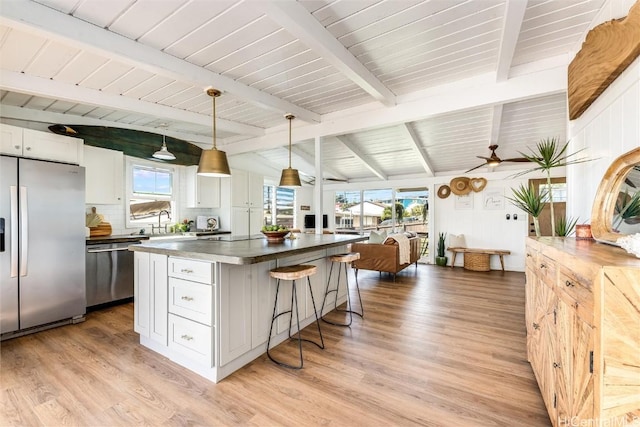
[(153, 226)]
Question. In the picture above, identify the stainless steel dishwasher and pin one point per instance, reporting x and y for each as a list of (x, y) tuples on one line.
[(109, 273)]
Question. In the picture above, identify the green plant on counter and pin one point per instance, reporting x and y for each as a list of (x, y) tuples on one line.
[(547, 155), (565, 227), (528, 200)]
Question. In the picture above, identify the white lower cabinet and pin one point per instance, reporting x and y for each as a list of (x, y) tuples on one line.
[(191, 339), (191, 300), (235, 313), (263, 293), (150, 296), (217, 316)]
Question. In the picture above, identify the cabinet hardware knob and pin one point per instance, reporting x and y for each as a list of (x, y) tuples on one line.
[(568, 283), (187, 298), (536, 326), (186, 338), (186, 270), (17, 147), (556, 365), (28, 148)]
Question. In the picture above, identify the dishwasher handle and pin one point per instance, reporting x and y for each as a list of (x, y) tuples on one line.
[(95, 251)]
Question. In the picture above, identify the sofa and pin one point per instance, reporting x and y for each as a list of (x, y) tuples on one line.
[(385, 256)]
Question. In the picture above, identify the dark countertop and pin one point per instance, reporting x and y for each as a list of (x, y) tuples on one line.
[(124, 238), (246, 251), (133, 238)]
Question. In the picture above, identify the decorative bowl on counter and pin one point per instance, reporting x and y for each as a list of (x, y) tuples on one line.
[(275, 236)]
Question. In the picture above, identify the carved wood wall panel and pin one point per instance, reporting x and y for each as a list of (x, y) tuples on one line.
[(607, 51)]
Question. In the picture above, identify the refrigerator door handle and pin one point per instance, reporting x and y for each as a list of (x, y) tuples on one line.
[(13, 190), (24, 231)]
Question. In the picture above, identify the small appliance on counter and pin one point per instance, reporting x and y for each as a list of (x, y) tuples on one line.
[(207, 223)]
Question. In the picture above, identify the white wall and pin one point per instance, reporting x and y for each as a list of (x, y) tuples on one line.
[(482, 227), (609, 128)]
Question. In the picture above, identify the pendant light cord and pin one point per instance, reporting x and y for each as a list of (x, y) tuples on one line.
[(214, 93), (214, 123), (290, 118)]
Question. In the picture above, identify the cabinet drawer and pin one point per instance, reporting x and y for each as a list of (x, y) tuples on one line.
[(531, 259), (191, 300), (197, 271), (546, 268), (580, 292), (191, 339)]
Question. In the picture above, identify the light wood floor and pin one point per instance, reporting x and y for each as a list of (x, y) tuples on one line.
[(439, 347)]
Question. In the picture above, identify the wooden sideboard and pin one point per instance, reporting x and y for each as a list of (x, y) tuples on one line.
[(583, 330)]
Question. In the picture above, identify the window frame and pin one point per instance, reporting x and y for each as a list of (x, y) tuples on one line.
[(130, 164)]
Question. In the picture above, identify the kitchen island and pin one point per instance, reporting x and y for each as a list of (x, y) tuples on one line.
[(207, 304)]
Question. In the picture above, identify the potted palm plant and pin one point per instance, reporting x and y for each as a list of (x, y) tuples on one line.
[(547, 155), (441, 259), (529, 201)]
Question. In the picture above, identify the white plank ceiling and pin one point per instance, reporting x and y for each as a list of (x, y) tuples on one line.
[(391, 88)]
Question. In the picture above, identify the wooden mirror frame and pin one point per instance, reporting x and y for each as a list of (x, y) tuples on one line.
[(605, 202)]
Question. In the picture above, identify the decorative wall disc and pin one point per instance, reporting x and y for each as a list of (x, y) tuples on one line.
[(444, 191)]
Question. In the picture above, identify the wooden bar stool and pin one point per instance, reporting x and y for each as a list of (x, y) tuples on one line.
[(293, 272), (343, 260)]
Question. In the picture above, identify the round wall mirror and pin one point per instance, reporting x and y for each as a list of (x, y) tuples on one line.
[(616, 208)]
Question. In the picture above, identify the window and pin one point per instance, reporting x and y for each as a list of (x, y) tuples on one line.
[(279, 206), (372, 209), (152, 181), (559, 192), (347, 210), (150, 195)]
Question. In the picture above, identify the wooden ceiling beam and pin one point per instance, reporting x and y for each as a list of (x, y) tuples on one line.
[(38, 86), (294, 18), (416, 146), (513, 17), (362, 157), (481, 91)]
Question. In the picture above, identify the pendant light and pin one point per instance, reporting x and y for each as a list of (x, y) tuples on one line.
[(214, 162), (290, 177), (163, 153)]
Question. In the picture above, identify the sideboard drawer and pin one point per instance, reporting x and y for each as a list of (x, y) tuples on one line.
[(191, 339), (547, 270), (191, 300), (198, 271), (580, 292)]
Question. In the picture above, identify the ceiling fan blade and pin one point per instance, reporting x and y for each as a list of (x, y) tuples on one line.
[(517, 159), (485, 158), (479, 166)]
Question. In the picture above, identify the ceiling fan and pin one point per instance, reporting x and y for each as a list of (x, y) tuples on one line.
[(494, 160)]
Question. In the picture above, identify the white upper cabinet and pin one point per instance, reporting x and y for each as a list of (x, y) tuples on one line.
[(104, 175), (246, 189), (202, 191), (39, 145), (11, 140)]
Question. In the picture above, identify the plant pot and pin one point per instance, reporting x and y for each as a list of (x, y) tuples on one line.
[(441, 261)]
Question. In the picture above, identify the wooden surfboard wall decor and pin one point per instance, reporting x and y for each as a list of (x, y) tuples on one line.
[(132, 143)]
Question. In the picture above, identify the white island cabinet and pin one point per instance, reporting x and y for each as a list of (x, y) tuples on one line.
[(214, 317)]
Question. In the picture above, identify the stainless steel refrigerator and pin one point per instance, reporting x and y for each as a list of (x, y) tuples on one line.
[(42, 245)]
